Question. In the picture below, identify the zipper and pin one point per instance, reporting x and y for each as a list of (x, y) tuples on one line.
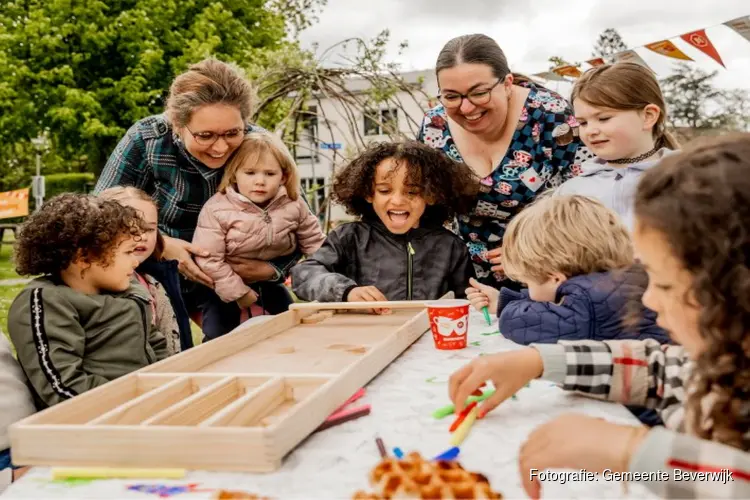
[(409, 270), (144, 318), (267, 220)]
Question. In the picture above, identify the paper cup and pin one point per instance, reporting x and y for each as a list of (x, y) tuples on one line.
[(449, 322)]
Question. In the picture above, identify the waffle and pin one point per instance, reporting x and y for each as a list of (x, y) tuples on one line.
[(414, 477)]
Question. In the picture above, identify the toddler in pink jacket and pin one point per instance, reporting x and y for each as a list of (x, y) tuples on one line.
[(259, 214)]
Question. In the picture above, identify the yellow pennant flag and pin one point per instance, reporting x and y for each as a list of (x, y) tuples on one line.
[(14, 203), (669, 49), (569, 70)]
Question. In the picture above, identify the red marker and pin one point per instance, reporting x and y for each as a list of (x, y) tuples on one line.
[(462, 416)]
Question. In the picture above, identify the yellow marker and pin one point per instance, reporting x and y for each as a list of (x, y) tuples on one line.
[(463, 430), (115, 473)]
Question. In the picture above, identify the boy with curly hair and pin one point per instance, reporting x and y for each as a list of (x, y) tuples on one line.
[(403, 193), (85, 321)]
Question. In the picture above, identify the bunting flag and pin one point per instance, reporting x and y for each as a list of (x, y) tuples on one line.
[(741, 25), (699, 40), (631, 56), (669, 49), (568, 70)]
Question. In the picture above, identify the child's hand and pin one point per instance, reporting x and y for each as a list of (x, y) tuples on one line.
[(368, 294), (509, 372), (577, 442), (247, 300), (495, 256), (482, 296)]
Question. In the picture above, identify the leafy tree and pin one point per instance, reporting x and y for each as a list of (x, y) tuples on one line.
[(694, 102), (608, 44), (85, 71)]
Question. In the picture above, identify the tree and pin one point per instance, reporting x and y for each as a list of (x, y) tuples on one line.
[(85, 71), (695, 103), (608, 44)]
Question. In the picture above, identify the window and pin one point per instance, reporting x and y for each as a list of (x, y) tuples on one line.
[(387, 121), (315, 192), (308, 138)]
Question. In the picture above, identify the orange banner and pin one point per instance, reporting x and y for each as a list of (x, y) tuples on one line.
[(14, 203), (700, 41), (569, 70), (741, 25), (597, 61), (667, 48)]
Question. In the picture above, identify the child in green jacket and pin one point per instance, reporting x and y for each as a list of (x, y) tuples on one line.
[(85, 321)]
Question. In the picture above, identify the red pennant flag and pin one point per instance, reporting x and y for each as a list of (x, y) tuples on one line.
[(597, 61), (699, 40)]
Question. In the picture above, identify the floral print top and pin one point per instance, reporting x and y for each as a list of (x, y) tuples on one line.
[(545, 151)]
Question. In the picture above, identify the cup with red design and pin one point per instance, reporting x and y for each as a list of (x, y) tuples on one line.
[(449, 322)]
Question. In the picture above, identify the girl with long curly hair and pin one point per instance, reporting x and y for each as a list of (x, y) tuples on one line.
[(403, 194), (84, 320), (692, 234)]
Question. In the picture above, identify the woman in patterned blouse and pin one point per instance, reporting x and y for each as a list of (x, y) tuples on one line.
[(518, 137)]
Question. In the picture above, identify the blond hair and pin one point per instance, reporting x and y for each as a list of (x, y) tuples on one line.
[(122, 194), (209, 82), (254, 149), (572, 235), (625, 86)]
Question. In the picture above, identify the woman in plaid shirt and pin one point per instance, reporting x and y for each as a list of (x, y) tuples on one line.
[(693, 236), (178, 158)]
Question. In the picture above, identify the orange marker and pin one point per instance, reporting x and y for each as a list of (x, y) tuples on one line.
[(462, 416)]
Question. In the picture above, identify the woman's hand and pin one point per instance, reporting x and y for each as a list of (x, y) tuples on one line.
[(183, 251), (252, 270), (508, 371), (577, 442), (495, 257), (368, 294), (482, 296)]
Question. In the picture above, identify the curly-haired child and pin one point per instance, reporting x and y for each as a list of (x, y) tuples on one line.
[(85, 321), (403, 193), (258, 213), (692, 234)]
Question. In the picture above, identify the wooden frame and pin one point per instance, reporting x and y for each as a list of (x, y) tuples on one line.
[(241, 402)]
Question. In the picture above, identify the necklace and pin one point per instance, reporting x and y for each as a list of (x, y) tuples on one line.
[(637, 159)]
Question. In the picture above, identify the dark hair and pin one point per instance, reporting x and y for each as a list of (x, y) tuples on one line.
[(699, 200), (122, 194), (476, 49), (72, 227), (449, 187)]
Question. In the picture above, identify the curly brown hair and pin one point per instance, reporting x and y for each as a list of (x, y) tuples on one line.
[(700, 201), (449, 187), (72, 227)]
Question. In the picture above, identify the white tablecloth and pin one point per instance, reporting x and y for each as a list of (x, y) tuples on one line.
[(335, 463)]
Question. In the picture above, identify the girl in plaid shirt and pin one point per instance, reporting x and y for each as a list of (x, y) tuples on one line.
[(692, 233)]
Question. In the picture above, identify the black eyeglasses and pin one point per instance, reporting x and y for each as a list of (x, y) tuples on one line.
[(208, 138), (453, 100)]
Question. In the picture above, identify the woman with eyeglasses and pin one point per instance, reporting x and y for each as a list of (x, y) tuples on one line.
[(520, 138), (178, 158)]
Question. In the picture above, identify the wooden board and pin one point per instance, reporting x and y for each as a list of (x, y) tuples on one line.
[(241, 402)]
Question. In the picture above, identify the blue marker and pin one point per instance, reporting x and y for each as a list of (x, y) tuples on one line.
[(398, 453), (450, 454)]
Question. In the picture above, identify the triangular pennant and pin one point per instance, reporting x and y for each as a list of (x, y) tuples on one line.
[(631, 56), (568, 70), (549, 75), (699, 40), (741, 25), (667, 48), (597, 61)]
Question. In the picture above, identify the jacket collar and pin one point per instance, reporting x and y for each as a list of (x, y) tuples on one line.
[(243, 202), (597, 165)]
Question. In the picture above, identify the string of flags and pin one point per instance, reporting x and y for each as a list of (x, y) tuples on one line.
[(698, 39)]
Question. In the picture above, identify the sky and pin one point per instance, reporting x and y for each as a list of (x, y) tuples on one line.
[(530, 31)]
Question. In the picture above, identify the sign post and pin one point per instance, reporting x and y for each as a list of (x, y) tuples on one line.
[(37, 186)]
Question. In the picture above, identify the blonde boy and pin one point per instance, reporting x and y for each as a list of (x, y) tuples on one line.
[(576, 258)]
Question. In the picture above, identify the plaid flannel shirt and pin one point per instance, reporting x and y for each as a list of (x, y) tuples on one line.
[(646, 373), (151, 158)]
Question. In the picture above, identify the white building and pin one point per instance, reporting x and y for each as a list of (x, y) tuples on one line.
[(339, 134)]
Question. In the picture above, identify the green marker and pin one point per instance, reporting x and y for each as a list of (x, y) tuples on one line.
[(486, 312), (450, 409)]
